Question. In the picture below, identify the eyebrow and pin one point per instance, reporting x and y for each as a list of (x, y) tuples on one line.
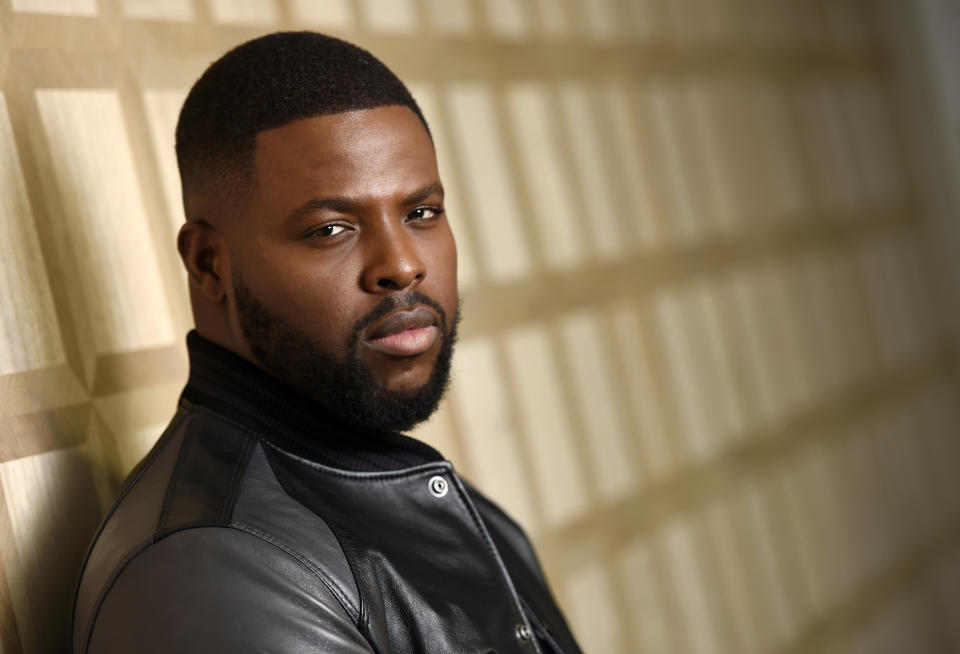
[(346, 204), (424, 193)]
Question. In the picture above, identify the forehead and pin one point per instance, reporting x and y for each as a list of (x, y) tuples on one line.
[(370, 151)]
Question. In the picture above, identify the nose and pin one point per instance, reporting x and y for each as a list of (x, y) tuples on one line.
[(393, 262)]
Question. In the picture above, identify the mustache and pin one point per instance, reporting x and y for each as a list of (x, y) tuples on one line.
[(406, 300)]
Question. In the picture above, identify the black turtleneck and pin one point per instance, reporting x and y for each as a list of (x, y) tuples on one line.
[(244, 393)]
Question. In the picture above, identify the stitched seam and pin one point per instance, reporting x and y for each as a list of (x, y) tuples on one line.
[(305, 441), (327, 580), (333, 472), (184, 526), (174, 478), (235, 482), (145, 544), (363, 617), (548, 635), (272, 452), (365, 476), (108, 585), (174, 425), (223, 418), (472, 511)]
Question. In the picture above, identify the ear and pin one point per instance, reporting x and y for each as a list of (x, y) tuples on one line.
[(204, 255)]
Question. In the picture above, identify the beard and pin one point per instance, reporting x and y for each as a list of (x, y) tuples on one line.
[(345, 389)]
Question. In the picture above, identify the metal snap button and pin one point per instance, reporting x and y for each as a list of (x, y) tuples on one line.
[(438, 486), (523, 633)]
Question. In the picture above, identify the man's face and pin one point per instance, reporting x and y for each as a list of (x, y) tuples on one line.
[(344, 269)]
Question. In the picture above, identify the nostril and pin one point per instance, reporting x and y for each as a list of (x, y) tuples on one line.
[(398, 282), (390, 283)]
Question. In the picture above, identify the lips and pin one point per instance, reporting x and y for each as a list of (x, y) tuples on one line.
[(404, 333)]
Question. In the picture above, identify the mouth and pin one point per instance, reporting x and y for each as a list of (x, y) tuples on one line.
[(404, 333)]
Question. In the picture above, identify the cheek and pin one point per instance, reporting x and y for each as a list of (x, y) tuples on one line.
[(320, 300), (317, 301)]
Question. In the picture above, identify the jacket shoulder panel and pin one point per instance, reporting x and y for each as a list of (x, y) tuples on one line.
[(204, 483), (222, 477), (130, 524), (264, 508), (207, 589)]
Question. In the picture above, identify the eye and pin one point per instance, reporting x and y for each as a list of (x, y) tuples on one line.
[(327, 231), (423, 214)]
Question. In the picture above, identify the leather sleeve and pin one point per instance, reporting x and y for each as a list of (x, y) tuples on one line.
[(217, 589)]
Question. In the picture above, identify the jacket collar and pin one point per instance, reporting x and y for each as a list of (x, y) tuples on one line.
[(228, 384)]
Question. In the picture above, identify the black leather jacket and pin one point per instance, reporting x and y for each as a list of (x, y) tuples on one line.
[(252, 526)]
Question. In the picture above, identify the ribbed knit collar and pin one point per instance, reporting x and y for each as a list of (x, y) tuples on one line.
[(232, 386)]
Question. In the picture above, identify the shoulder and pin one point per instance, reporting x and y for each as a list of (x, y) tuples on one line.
[(204, 536), (220, 589)]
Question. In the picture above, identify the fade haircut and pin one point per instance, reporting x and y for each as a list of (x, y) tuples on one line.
[(270, 82)]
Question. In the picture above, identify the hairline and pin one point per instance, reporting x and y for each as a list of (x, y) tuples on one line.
[(236, 175)]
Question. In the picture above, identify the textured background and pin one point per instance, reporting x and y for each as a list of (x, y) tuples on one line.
[(707, 356)]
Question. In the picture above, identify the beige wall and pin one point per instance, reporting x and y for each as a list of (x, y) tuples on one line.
[(703, 358)]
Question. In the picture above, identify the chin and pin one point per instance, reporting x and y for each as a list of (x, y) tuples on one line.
[(407, 385), (405, 377)]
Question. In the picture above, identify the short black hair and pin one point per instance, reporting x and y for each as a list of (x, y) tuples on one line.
[(270, 82)]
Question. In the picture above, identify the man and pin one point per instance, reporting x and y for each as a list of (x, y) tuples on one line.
[(282, 510)]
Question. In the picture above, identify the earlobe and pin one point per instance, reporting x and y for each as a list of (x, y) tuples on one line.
[(203, 253)]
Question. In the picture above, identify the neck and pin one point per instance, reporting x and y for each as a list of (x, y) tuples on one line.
[(235, 388)]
